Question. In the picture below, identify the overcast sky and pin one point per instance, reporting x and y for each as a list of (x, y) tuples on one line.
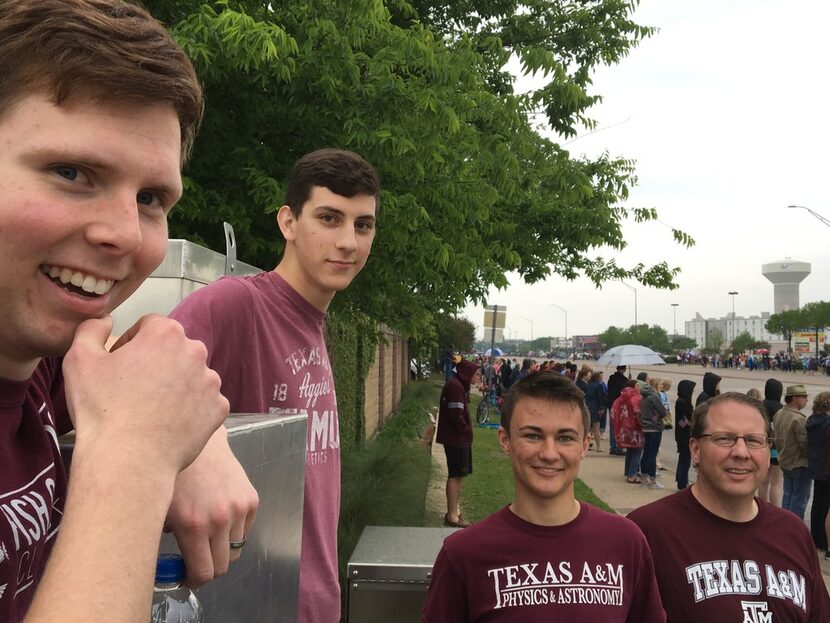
[(725, 110)]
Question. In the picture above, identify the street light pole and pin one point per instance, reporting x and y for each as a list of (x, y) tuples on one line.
[(732, 294), (565, 311), (816, 214), (634, 290), (531, 326), (674, 309)]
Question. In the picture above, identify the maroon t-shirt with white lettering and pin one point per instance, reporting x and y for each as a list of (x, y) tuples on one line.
[(266, 343), (32, 483), (595, 568), (711, 569)]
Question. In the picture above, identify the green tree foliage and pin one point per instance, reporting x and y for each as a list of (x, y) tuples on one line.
[(681, 342), (458, 334), (786, 323), (815, 316), (654, 337), (714, 342), (472, 190), (743, 342)]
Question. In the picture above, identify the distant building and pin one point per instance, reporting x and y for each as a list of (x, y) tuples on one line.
[(700, 329)]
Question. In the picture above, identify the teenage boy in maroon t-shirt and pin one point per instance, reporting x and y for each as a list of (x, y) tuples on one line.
[(722, 554), (545, 557), (264, 336)]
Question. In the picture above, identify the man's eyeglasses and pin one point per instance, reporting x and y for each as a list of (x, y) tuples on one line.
[(754, 441)]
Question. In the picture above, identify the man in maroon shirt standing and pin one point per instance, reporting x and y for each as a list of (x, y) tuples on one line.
[(546, 556), (722, 554)]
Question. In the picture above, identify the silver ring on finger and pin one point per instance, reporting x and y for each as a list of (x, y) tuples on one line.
[(239, 544)]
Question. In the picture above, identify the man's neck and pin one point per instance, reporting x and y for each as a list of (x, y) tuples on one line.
[(15, 369), (555, 512), (294, 277), (738, 509)]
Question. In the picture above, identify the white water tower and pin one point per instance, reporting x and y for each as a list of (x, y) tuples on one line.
[(786, 275)]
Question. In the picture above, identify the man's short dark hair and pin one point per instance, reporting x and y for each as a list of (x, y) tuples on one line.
[(106, 50), (343, 172), (702, 411), (549, 386)]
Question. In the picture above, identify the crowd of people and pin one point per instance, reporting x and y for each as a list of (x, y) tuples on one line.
[(729, 546)]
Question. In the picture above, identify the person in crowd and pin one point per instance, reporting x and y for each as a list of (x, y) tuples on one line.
[(818, 462), (455, 433), (595, 398), (539, 558), (625, 413), (582, 379), (504, 373), (720, 553), (99, 108), (683, 412), (449, 363), (772, 487), (651, 419), (616, 382), (791, 441), (264, 335), (754, 393), (663, 388), (520, 373), (711, 388)]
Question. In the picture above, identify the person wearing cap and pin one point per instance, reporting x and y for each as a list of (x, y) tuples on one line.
[(791, 441)]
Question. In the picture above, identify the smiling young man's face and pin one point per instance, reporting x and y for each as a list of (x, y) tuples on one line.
[(83, 217), (546, 444)]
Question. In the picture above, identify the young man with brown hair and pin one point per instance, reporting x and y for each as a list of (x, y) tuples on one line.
[(264, 336), (546, 556), (98, 111), (720, 553)]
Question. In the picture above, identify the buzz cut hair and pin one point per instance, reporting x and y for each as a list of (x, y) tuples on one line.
[(548, 386)]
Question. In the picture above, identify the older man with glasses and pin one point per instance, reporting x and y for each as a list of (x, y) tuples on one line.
[(720, 553)]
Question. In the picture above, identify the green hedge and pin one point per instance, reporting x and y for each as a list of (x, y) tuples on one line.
[(351, 339)]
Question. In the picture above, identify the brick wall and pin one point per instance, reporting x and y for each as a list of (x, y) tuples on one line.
[(386, 380)]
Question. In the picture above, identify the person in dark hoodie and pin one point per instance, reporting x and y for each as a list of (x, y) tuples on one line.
[(455, 433), (773, 487), (683, 411), (818, 462), (711, 388)]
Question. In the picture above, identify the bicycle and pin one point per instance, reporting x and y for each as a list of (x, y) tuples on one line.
[(490, 405)]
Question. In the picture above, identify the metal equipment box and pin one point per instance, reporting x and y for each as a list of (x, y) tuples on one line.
[(186, 268), (389, 572), (263, 585)]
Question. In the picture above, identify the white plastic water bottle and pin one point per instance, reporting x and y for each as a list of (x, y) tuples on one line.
[(173, 602)]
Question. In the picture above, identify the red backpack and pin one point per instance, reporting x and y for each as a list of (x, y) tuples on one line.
[(625, 415)]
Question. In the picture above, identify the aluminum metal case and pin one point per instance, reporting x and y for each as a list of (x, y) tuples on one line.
[(389, 572), (263, 585), (186, 267)]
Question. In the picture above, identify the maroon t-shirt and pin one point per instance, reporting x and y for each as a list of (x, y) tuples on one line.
[(595, 568), (711, 569), (266, 343), (32, 483)]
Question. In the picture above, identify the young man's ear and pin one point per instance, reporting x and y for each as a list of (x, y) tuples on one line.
[(504, 440), (286, 222)]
